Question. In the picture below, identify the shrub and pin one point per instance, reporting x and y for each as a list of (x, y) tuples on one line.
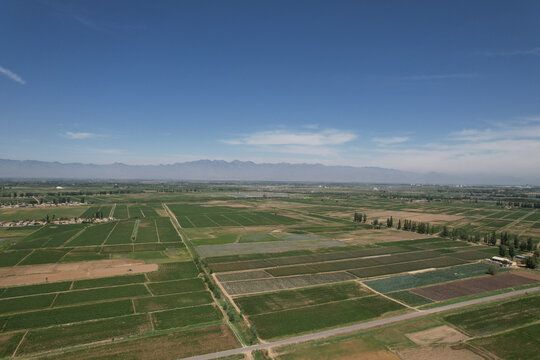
[(493, 269)]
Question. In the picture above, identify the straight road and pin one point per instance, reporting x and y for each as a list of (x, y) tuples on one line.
[(363, 326)]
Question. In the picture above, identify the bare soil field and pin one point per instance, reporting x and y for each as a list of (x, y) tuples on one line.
[(439, 335), (472, 286), (39, 274), (350, 349), (438, 352)]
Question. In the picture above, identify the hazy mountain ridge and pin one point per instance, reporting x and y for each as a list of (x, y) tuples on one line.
[(238, 170)]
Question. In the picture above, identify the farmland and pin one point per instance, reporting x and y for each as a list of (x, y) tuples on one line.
[(184, 273)]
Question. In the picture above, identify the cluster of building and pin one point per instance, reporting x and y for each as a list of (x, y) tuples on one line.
[(43, 205), (23, 223)]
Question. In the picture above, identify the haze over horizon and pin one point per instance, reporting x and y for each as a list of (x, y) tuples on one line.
[(443, 87)]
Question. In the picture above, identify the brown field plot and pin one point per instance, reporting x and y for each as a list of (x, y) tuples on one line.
[(39, 274), (473, 286)]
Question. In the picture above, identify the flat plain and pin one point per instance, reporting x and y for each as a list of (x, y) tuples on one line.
[(208, 270)]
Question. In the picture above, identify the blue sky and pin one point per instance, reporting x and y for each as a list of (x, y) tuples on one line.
[(450, 86)]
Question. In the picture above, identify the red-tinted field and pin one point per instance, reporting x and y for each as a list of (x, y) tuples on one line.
[(473, 286)]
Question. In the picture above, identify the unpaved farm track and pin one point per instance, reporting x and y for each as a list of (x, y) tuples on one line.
[(359, 327), (39, 274)]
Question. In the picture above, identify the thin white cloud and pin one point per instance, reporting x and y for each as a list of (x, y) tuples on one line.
[(428, 77), (390, 140), (509, 148), (79, 135), (533, 51), (318, 138), (312, 142), (12, 75)]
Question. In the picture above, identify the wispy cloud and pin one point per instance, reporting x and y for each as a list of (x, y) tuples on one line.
[(314, 138), (303, 138), (79, 135), (390, 140), (12, 75), (533, 51), (504, 148), (428, 77), (313, 142)]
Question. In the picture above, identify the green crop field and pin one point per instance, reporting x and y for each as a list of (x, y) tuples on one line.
[(288, 256), (122, 233), (100, 294), (185, 317), (49, 236), (45, 256), (290, 299), (177, 300), (120, 212), (93, 235), (296, 321), (517, 344), (65, 315), (176, 286), (10, 258), (108, 281), (35, 289), (173, 271), (498, 317), (26, 303), (41, 213), (147, 232), (75, 334)]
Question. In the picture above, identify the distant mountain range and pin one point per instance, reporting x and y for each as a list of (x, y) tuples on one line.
[(214, 170)]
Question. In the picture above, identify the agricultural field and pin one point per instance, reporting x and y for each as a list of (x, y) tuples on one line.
[(177, 274)]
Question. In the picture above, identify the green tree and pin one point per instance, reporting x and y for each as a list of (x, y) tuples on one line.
[(502, 250), (444, 232), (511, 251), (531, 262), (529, 244)]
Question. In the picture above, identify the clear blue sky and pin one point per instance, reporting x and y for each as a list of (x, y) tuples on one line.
[(450, 86)]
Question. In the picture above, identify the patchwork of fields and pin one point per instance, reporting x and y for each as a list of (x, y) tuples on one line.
[(145, 238), (62, 314), (291, 265), (190, 216)]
